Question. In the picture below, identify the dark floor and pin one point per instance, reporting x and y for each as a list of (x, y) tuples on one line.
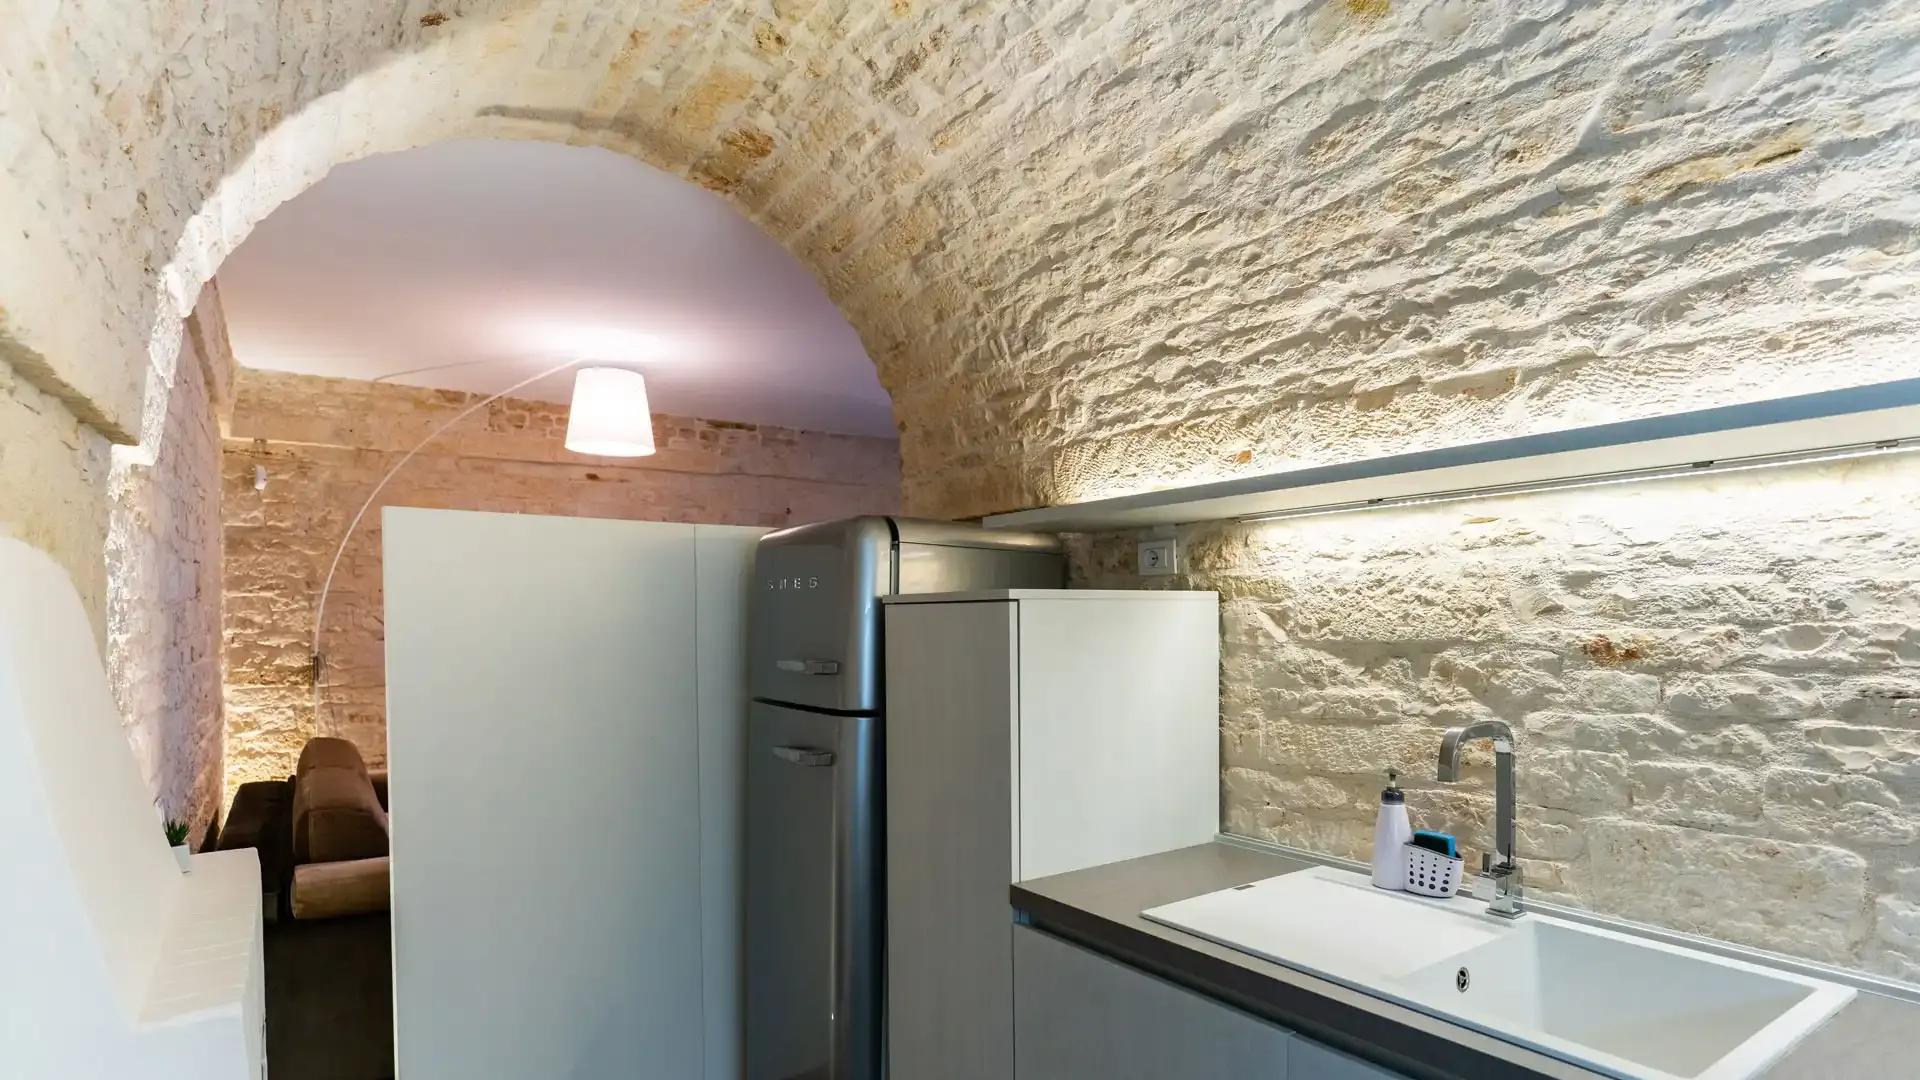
[(330, 999)]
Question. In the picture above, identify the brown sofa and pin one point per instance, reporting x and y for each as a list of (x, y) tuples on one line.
[(339, 833)]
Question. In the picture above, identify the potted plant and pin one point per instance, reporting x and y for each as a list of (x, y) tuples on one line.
[(177, 839)]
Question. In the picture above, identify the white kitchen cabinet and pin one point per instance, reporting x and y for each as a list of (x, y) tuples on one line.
[(1308, 1060), (1081, 1016), (566, 710), (1029, 733)]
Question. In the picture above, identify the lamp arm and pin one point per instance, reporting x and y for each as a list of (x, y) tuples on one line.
[(320, 610)]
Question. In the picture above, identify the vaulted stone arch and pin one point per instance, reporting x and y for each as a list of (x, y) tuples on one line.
[(1099, 245), (791, 115), (1091, 245)]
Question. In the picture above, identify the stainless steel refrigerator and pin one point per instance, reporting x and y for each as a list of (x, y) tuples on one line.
[(815, 870)]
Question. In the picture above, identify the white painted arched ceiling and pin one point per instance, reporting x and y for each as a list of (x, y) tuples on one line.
[(472, 265)]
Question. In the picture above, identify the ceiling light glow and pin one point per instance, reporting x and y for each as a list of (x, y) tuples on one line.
[(610, 416), (589, 342)]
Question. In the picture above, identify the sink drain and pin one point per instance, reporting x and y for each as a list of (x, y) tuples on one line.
[(1462, 980)]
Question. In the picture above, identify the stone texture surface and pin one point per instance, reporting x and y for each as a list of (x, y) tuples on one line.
[(326, 443), (1715, 685), (163, 571), (1092, 245), (1100, 245), (53, 485)]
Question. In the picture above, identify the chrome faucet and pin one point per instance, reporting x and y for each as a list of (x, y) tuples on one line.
[(1498, 870)]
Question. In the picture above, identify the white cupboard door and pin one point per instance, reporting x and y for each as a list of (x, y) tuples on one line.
[(1080, 1016), (544, 753), (1119, 730)]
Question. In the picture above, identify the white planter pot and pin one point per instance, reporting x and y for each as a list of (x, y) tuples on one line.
[(183, 855)]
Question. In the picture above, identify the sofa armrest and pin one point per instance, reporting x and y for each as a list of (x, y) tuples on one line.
[(333, 889), (378, 777), (259, 819)]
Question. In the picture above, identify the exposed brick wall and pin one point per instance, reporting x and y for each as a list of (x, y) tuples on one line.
[(1715, 687), (325, 444), (163, 569)]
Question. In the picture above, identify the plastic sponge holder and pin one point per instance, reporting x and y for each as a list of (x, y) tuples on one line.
[(1430, 873)]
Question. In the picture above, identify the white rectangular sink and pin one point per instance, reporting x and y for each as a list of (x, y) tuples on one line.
[(1616, 1004)]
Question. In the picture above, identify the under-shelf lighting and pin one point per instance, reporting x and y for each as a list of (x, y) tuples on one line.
[(1826, 425), (1603, 479)]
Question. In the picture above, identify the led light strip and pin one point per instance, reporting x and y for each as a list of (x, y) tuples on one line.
[(1629, 476)]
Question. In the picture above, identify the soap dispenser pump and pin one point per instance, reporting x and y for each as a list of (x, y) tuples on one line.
[(1391, 833)]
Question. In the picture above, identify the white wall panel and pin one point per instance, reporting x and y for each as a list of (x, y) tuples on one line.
[(550, 774)]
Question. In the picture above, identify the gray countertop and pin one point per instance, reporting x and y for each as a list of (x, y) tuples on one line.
[(1870, 1039)]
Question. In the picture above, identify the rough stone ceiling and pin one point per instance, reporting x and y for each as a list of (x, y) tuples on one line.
[(1092, 245), (473, 265)]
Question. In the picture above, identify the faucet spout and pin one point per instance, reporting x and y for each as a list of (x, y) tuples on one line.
[(1501, 867), (1457, 738)]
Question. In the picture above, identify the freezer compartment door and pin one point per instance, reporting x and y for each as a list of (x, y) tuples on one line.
[(813, 896), (816, 614)]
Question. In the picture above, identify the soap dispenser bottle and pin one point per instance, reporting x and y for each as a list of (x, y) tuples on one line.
[(1391, 832)]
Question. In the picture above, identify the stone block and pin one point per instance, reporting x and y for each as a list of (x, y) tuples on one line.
[(1556, 835), (1703, 796), (1581, 781), (1341, 706), (1748, 695), (1897, 934), (1339, 751), (1809, 899), (1613, 692), (1629, 735), (1809, 804), (1743, 743), (1888, 753)]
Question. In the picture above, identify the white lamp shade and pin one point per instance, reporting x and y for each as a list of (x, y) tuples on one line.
[(610, 417)]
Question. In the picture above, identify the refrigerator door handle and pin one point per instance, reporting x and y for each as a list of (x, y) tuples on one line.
[(807, 756), (809, 667)]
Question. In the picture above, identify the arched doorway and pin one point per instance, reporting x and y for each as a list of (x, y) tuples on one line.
[(403, 290)]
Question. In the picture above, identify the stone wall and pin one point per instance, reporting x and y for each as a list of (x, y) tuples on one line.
[(1092, 246), (53, 485), (325, 443), (163, 567), (1715, 686)]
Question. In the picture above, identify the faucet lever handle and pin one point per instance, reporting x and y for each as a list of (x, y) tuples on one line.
[(1496, 867)]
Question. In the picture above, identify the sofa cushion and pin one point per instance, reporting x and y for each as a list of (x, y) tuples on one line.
[(336, 817), (329, 754), (330, 890)]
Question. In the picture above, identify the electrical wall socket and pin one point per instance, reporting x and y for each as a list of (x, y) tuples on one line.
[(1159, 558)]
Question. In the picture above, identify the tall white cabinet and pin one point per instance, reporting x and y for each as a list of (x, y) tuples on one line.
[(1028, 733), (565, 716)]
